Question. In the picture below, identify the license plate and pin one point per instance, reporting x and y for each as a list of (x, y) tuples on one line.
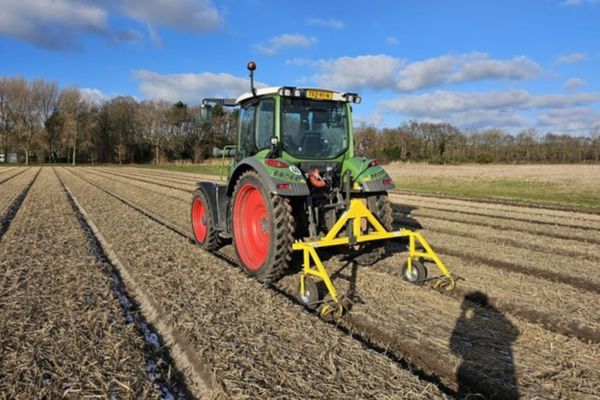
[(319, 94)]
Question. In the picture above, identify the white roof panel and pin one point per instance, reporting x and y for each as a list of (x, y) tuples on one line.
[(337, 96)]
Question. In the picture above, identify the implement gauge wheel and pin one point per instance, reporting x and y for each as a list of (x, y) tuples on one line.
[(310, 297), (262, 226), (203, 224), (418, 273)]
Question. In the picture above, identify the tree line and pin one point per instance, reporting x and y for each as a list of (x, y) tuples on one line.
[(43, 123), (39, 121), (444, 143)]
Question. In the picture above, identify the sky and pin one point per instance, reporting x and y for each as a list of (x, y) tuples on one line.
[(509, 64)]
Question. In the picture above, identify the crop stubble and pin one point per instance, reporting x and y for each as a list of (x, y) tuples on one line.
[(10, 189), (63, 332), (574, 308), (254, 341), (393, 315)]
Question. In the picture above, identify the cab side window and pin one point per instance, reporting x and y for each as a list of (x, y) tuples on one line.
[(265, 123), (246, 142)]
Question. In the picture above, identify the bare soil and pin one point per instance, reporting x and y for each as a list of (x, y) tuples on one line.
[(253, 342), (63, 331), (436, 332)]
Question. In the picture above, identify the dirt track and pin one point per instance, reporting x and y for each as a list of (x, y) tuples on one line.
[(373, 286)]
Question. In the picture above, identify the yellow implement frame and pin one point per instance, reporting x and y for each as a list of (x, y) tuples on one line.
[(356, 214)]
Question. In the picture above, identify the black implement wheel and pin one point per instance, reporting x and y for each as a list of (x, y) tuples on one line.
[(310, 297), (262, 227), (380, 207), (418, 273), (204, 228)]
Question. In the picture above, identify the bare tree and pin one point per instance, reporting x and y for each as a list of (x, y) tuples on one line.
[(72, 108), (152, 122), (47, 102), (5, 116)]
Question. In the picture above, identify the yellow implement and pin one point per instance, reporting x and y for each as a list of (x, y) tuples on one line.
[(356, 215)]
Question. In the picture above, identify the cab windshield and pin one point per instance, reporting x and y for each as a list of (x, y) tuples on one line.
[(313, 128)]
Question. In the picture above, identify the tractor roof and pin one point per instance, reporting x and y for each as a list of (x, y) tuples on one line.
[(296, 92)]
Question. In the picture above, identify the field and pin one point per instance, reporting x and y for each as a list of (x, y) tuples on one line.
[(103, 294), (570, 185)]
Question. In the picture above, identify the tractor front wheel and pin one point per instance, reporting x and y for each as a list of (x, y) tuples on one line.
[(262, 227)]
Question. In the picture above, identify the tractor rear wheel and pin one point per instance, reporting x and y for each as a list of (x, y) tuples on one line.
[(204, 228), (262, 227), (380, 207)]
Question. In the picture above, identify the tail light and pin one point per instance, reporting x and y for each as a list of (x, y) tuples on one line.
[(271, 162), (373, 163)]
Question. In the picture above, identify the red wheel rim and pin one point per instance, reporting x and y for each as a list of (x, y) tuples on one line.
[(199, 220), (251, 227)]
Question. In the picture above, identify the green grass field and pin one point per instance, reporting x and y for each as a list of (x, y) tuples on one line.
[(539, 192)]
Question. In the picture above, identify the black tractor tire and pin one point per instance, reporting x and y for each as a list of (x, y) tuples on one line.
[(204, 227), (262, 227), (380, 207)]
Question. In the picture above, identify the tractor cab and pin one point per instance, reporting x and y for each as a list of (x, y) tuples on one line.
[(295, 123)]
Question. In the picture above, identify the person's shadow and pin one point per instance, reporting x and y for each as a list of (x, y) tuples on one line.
[(487, 369)]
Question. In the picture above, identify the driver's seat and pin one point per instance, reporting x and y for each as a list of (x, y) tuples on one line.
[(311, 144)]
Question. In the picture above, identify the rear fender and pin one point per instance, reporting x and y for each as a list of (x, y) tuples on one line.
[(292, 188), (218, 199)]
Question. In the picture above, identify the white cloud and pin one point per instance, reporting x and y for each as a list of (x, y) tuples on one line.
[(191, 88), (374, 119), (424, 74), (576, 2), (185, 15), (59, 24), (574, 83), (478, 66), (93, 95), (371, 71), (392, 40), (325, 23), (571, 58), (443, 102), (277, 43), (563, 100), (483, 109), (299, 62), (53, 25), (382, 71), (571, 119)]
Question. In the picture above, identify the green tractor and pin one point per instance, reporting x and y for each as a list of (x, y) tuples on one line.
[(293, 177)]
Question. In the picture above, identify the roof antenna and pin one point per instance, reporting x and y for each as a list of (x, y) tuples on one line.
[(251, 68)]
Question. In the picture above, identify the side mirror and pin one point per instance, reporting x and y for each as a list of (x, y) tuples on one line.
[(275, 147)]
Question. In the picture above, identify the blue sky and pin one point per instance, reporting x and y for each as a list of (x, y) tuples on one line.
[(476, 64)]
